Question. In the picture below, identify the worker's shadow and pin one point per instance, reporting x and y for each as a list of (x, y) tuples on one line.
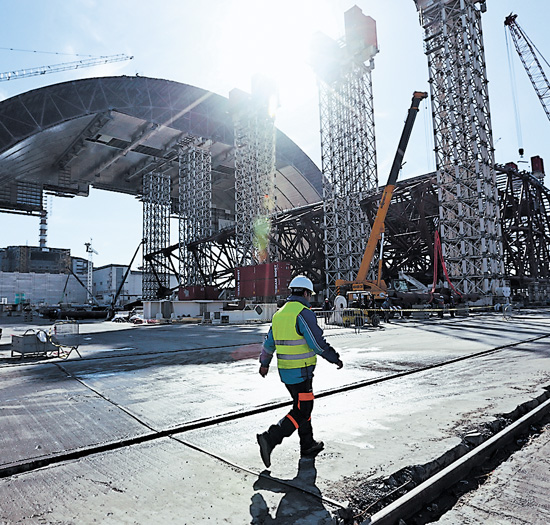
[(296, 504)]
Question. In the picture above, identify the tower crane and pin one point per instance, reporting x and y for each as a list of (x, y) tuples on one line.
[(65, 66), (527, 52), (90, 251)]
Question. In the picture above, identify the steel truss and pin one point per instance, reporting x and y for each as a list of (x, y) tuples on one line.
[(524, 204), (409, 228), (254, 180), (297, 235), (411, 222), (525, 209), (348, 157), (195, 210), (468, 201), (156, 233)]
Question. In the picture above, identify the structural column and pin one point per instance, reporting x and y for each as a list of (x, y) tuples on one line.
[(468, 200), (348, 149), (255, 173), (156, 233), (195, 212)]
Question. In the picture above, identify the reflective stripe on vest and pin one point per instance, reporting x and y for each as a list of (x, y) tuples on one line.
[(292, 349)]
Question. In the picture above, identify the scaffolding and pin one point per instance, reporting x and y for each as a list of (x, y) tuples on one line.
[(466, 179), (156, 233), (348, 149), (194, 211), (255, 172)]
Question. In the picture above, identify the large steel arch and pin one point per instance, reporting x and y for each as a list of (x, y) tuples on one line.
[(116, 133), (107, 132)]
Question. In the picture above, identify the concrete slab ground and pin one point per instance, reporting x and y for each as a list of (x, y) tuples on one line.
[(135, 381)]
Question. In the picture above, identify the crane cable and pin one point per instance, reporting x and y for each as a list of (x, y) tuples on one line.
[(429, 138), (44, 52), (515, 102)]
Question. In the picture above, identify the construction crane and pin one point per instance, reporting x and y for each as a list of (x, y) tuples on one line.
[(527, 52), (66, 66), (378, 288), (90, 251)]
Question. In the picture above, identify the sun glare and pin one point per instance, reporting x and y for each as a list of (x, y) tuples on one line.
[(274, 38)]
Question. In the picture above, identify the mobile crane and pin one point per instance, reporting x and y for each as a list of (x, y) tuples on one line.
[(361, 286)]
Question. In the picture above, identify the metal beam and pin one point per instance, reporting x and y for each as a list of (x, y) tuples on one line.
[(79, 142)]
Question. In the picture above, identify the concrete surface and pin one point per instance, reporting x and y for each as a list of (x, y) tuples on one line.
[(134, 380), (516, 493)]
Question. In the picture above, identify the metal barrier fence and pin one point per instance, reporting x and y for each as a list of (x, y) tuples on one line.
[(347, 318), (355, 318)]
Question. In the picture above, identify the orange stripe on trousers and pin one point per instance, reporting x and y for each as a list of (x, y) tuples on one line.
[(293, 420), (306, 396)]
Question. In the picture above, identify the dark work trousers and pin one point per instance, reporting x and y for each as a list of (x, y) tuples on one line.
[(298, 418)]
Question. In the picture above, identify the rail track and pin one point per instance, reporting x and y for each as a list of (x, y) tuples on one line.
[(415, 498)]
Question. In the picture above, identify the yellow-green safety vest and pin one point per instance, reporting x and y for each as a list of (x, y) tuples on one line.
[(292, 349)]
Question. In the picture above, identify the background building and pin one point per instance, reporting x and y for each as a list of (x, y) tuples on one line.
[(31, 274), (25, 259), (107, 280)]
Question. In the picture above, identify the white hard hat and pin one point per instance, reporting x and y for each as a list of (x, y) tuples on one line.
[(301, 282)]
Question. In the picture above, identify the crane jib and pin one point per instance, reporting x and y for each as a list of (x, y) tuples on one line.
[(378, 225)]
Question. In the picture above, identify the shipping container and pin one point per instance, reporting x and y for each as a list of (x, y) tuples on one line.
[(262, 280), (195, 293)]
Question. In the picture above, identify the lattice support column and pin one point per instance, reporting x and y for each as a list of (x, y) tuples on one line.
[(467, 191), (348, 148), (348, 155), (195, 213), (156, 232), (255, 174)]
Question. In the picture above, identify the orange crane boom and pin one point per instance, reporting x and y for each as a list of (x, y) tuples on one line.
[(361, 282)]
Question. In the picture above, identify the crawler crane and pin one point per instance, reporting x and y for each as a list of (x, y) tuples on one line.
[(361, 286)]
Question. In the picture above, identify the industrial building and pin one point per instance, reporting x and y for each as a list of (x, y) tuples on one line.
[(37, 275), (245, 195), (34, 259)]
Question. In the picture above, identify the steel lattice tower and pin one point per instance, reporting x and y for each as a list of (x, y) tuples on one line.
[(195, 211), (467, 191), (348, 158), (156, 231), (348, 148), (254, 174)]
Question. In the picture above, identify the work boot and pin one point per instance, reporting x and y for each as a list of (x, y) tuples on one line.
[(313, 450), (265, 448)]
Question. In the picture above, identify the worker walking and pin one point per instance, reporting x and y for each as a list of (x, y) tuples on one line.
[(297, 339)]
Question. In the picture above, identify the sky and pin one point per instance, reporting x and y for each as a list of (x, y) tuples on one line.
[(219, 45)]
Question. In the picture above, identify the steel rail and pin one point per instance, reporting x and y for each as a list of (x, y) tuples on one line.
[(426, 492)]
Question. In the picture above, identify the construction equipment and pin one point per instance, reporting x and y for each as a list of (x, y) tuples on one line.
[(527, 52), (126, 273), (62, 338), (90, 252), (66, 66), (361, 287)]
